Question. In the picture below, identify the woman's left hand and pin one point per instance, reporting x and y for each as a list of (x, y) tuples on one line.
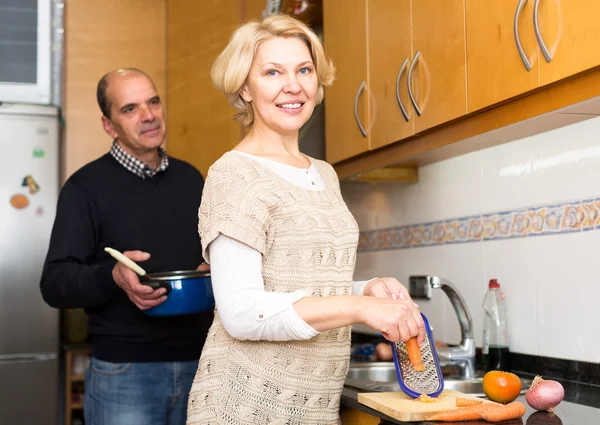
[(386, 287), (389, 287)]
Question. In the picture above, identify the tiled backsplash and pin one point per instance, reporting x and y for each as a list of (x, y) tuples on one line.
[(572, 216), (471, 218)]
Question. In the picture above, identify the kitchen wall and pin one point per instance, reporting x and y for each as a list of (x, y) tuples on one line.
[(525, 213)]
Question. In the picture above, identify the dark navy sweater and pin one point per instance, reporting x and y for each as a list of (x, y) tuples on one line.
[(105, 205)]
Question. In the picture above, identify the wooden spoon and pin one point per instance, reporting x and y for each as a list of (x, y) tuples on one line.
[(127, 261)]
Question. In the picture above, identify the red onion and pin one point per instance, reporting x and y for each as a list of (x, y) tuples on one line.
[(544, 394)]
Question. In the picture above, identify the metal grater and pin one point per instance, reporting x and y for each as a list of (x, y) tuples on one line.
[(413, 383)]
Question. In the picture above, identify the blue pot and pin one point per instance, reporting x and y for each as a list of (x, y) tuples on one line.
[(188, 292)]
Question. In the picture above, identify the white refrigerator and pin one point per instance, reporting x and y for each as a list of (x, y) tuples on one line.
[(29, 329)]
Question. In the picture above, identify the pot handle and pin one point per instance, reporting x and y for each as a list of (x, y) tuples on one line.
[(156, 284)]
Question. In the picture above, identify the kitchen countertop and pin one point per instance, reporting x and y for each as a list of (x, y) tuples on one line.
[(581, 406)]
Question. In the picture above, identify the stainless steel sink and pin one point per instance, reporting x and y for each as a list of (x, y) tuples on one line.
[(381, 377), (379, 371)]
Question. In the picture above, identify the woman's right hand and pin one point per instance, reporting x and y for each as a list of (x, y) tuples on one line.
[(396, 319)]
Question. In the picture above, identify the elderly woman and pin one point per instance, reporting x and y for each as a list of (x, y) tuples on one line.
[(282, 248)]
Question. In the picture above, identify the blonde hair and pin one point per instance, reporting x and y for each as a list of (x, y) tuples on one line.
[(231, 68)]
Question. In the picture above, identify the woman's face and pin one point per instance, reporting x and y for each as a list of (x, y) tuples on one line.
[(282, 84)]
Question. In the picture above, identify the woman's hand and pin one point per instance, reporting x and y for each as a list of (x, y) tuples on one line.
[(397, 318), (385, 287), (389, 287)]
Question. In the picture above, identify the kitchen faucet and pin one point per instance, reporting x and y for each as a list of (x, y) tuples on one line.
[(463, 355)]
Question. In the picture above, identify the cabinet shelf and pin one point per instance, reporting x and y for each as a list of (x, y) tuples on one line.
[(73, 383)]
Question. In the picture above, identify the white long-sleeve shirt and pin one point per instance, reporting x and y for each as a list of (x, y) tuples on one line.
[(246, 310)]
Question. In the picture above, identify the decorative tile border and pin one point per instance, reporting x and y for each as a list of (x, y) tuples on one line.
[(567, 217)]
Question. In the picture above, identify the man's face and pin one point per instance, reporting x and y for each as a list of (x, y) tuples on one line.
[(137, 118)]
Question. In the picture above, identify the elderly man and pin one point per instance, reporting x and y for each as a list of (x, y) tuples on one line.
[(139, 200)]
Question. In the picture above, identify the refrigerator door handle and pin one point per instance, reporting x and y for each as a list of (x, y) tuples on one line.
[(27, 357)]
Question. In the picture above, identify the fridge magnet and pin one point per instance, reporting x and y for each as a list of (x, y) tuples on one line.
[(39, 152), (39, 211), (19, 201), (30, 183)]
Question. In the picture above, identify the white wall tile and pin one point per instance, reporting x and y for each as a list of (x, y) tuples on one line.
[(461, 185), (568, 163), (507, 180), (568, 295)]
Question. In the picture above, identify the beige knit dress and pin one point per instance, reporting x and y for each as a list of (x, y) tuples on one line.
[(308, 241)]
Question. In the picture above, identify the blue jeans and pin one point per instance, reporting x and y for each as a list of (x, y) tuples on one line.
[(137, 393)]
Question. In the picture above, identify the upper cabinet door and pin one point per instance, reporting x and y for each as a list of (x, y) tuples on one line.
[(190, 91), (438, 79), (569, 33), (346, 111), (502, 52), (391, 115)]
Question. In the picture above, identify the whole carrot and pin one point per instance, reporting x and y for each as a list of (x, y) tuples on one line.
[(414, 354), (513, 410), (491, 412), (471, 413)]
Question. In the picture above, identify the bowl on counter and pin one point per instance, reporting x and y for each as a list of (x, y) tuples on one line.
[(188, 292)]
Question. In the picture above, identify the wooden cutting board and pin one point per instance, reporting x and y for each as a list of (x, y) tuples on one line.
[(405, 409)]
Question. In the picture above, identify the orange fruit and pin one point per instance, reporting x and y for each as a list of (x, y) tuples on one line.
[(501, 387)]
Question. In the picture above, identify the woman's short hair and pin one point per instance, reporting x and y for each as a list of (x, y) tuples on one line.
[(231, 68)]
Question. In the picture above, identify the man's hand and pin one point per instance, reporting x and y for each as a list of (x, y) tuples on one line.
[(143, 296)]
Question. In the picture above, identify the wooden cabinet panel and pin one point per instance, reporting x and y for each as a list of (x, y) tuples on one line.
[(102, 36), (252, 9), (439, 78), (345, 40), (389, 49), (200, 120), (496, 71), (571, 31), (351, 416)]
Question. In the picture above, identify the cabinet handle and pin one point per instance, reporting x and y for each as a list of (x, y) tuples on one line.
[(402, 108), (517, 40), (360, 89), (538, 34), (410, 93)]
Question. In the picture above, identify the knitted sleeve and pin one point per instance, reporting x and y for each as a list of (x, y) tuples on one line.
[(234, 205)]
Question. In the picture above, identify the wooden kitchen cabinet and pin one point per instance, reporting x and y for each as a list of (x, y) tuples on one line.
[(347, 100), (496, 71), (570, 30), (200, 120), (201, 126), (469, 78), (439, 79), (73, 397), (351, 416), (390, 52)]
